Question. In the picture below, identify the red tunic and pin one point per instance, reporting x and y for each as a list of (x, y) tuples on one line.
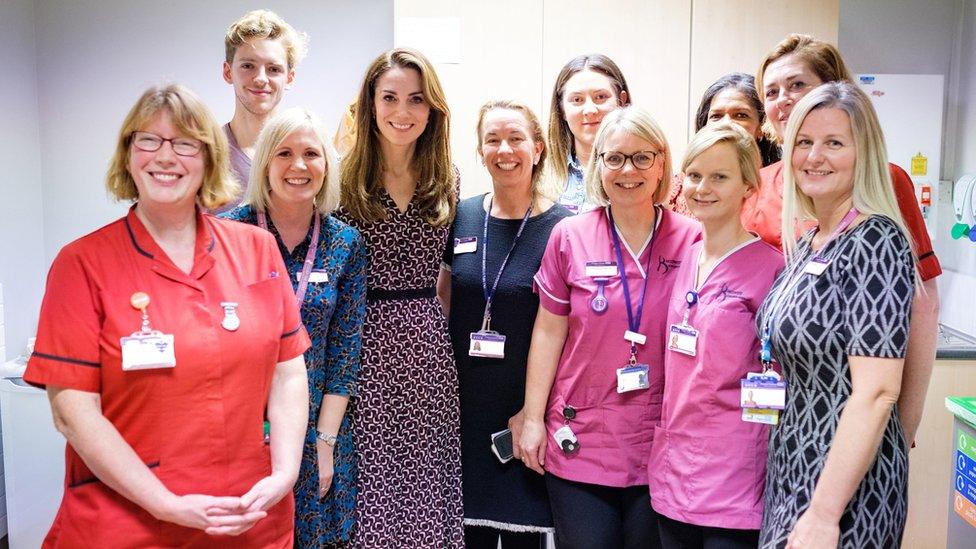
[(761, 214), (198, 426)]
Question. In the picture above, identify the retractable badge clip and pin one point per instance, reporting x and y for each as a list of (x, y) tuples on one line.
[(683, 338), (147, 348)]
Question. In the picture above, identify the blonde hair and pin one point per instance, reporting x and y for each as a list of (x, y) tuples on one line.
[(561, 140), (268, 25), (822, 58), (638, 122), (192, 119), (873, 193), (746, 149), (362, 167), (540, 188), (275, 131)]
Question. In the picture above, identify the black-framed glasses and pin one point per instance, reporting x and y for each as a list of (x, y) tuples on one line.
[(150, 142), (641, 160)]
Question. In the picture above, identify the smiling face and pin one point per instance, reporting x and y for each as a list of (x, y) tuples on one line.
[(259, 74), (785, 82), (733, 105), (587, 97), (824, 156), (163, 178), (628, 187), (713, 187), (297, 168), (508, 149), (401, 110)]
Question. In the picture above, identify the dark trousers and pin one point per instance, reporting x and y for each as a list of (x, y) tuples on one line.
[(589, 516), (484, 537), (681, 535)]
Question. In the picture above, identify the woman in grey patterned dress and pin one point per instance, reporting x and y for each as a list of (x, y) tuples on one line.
[(837, 321), (399, 190)]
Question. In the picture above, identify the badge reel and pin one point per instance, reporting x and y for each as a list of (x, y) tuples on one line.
[(633, 376), (763, 394), (486, 342), (147, 348), (683, 338), (564, 436)]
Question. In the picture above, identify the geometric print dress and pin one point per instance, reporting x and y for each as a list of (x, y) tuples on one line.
[(859, 306), (406, 415)]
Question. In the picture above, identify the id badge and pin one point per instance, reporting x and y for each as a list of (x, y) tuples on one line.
[(147, 351), (760, 415), (816, 266), (602, 269), (759, 391), (566, 439), (683, 339), (487, 344), (465, 245), (632, 378), (316, 276)]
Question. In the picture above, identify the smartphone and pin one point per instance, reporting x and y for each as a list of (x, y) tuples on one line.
[(501, 445)]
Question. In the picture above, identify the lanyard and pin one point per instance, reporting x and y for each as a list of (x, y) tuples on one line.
[(633, 319), (766, 352), (486, 324), (309, 255)]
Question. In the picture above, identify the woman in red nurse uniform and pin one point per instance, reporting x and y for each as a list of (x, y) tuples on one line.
[(165, 340)]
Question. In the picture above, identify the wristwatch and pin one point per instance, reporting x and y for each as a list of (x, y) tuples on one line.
[(328, 439)]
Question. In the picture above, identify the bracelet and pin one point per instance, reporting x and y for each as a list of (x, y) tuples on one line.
[(328, 439)]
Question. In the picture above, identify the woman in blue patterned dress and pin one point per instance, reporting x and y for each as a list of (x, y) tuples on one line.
[(294, 186)]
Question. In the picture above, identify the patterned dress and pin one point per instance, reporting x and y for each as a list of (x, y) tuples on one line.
[(332, 312), (406, 410), (858, 307)]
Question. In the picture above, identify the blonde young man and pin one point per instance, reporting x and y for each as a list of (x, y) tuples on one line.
[(262, 52)]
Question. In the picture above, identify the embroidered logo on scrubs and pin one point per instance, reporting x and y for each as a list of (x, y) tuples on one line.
[(725, 292), (665, 266)]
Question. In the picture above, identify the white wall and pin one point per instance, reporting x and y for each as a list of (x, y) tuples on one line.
[(22, 264), (95, 57)]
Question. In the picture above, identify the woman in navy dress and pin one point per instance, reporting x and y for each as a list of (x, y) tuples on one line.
[(294, 186)]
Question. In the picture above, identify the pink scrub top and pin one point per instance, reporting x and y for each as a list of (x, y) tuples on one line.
[(707, 466), (614, 430)]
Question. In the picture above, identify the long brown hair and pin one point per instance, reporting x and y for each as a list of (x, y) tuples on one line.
[(361, 178), (560, 137)]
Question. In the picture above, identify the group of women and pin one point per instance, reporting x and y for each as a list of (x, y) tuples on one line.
[(330, 363)]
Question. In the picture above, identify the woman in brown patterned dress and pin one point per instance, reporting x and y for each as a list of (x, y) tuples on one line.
[(399, 190)]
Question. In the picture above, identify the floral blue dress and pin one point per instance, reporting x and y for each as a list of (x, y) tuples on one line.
[(332, 312)]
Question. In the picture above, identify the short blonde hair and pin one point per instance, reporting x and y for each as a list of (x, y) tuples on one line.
[(276, 130), (746, 149), (535, 131), (269, 25), (635, 121), (193, 119), (873, 192)]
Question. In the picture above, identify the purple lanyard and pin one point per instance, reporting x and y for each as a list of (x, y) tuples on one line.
[(309, 255), (633, 320), (484, 257)]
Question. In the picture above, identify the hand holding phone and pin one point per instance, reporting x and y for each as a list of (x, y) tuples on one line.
[(501, 445)]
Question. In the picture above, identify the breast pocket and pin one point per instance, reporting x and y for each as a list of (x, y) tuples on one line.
[(260, 309)]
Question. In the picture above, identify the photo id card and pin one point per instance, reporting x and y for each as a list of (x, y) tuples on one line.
[(632, 378), (487, 344), (465, 245), (768, 392), (601, 268), (683, 339), (148, 351), (816, 266)]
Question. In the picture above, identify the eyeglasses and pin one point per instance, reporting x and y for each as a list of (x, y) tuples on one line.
[(149, 142), (641, 160)]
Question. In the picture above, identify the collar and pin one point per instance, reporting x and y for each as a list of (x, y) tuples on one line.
[(145, 245)]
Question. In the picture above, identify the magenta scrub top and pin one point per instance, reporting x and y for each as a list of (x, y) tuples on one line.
[(707, 466), (614, 429)]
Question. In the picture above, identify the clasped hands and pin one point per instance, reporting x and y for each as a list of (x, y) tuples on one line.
[(227, 515)]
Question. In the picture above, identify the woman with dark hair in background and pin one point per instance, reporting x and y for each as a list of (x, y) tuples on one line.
[(586, 89)]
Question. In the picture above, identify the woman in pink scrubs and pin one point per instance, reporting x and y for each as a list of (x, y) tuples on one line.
[(708, 463), (595, 370)]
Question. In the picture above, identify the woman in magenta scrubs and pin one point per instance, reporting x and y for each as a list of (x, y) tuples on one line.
[(708, 461), (595, 370)]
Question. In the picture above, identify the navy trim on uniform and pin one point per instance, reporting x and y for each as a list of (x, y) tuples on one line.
[(134, 243), (291, 333), (69, 360), (923, 256)]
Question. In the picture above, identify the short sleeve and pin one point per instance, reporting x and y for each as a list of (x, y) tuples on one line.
[(294, 338), (551, 281), (878, 291), (66, 353), (928, 264)]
